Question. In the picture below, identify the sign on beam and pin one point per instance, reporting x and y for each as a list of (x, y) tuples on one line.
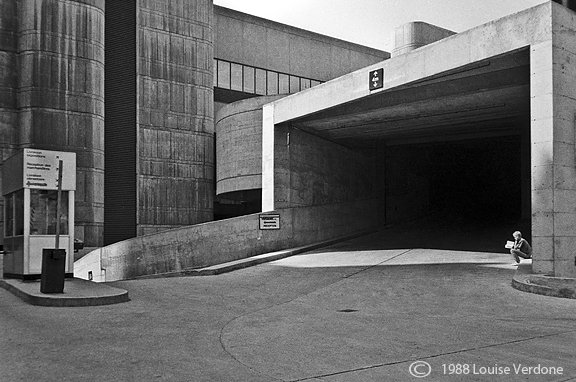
[(376, 79), (270, 221)]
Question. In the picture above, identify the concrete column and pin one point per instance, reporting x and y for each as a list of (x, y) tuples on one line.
[(542, 127), (553, 107), (525, 166), (61, 94), (268, 196)]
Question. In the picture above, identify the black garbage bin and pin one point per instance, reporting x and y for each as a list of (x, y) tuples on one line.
[(53, 270)]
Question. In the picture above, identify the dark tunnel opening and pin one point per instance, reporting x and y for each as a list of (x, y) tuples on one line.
[(447, 190), (479, 179)]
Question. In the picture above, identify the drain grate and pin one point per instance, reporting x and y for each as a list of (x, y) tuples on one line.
[(348, 310)]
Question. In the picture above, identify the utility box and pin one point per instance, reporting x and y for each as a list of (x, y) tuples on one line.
[(53, 270), (30, 189)]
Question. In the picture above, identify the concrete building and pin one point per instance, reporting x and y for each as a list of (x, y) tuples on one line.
[(506, 95), (211, 112), (52, 92), (146, 159)]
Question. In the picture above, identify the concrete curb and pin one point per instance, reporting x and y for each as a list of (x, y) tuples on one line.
[(255, 260), (77, 292), (527, 281)]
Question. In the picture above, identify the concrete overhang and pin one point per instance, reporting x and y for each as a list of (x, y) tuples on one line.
[(491, 96), (474, 82), (488, 78)]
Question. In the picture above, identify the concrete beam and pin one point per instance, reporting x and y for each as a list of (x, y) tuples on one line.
[(498, 37)]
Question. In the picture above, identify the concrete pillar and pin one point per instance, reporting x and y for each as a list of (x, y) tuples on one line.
[(553, 107), (525, 166), (268, 153), (61, 94)]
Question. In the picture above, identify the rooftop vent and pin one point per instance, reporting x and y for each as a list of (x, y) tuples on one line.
[(415, 35)]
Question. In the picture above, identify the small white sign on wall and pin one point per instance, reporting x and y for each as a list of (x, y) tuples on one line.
[(270, 221)]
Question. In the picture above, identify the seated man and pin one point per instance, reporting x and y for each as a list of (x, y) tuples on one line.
[(521, 248)]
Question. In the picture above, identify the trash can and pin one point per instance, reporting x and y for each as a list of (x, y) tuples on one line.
[(53, 270)]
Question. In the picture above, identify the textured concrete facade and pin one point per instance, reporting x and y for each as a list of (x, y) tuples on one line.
[(8, 77), (53, 54), (52, 87), (553, 147), (8, 82), (176, 114), (312, 171), (320, 149)]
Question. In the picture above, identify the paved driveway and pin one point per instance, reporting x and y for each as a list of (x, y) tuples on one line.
[(364, 310)]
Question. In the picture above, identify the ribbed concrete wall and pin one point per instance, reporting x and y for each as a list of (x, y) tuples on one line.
[(176, 114), (8, 76), (239, 145), (60, 69), (8, 84)]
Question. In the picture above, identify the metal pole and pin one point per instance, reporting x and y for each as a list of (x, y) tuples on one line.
[(58, 203)]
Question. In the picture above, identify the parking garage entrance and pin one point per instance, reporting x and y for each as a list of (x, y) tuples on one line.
[(453, 149)]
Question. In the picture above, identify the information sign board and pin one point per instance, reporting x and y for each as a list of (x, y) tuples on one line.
[(41, 169), (270, 221)]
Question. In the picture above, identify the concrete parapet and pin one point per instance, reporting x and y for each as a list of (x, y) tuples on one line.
[(235, 265), (207, 244)]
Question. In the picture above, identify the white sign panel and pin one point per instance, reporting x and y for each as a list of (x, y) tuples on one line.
[(41, 169), (271, 221)]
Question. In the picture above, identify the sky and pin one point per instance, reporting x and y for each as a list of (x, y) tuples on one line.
[(371, 22)]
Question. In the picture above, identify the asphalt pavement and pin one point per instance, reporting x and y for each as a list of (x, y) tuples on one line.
[(384, 307)]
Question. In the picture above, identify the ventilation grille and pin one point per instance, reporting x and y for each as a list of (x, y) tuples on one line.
[(120, 121)]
